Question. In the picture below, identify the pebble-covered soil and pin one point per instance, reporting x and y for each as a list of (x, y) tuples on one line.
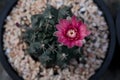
[(94, 49)]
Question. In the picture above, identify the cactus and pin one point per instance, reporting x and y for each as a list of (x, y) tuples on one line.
[(43, 45)]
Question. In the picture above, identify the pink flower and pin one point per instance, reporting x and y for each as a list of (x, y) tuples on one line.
[(71, 32)]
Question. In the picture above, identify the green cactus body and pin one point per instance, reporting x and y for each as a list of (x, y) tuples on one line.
[(43, 45)]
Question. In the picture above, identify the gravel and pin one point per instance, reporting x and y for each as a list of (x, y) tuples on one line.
[(94, 49)]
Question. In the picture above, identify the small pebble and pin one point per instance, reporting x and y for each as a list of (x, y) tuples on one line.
[(7, 51)]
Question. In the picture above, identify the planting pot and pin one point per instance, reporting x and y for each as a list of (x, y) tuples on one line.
[(4, 60), (118, 27), (117, 50)]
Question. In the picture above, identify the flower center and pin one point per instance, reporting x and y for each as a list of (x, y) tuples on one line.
[(71, 33)]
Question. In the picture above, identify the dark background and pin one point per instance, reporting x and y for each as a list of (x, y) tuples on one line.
[(113, 72)]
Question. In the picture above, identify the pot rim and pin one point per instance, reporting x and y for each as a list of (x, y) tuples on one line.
[(118, 26), (14, 75)]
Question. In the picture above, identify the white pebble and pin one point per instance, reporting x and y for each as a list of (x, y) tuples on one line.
[(97, 44), (59, 3), (100, 13), (8, 18), (94, 24), (7, 51), (82, 9)]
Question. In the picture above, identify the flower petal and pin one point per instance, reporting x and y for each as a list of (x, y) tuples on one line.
[(83, 31), (74, 20), (64, 23), (57, 33), (70, 44), (78, 43), (59, 27)]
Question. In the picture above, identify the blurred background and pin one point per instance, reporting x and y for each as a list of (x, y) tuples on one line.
[(113, 72)]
